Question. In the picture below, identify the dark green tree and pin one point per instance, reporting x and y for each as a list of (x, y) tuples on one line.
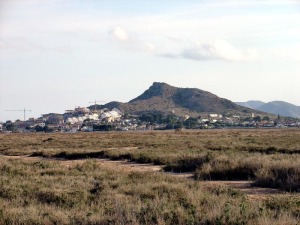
[(10, 126), (190, 123), (103, 127), (257, 119)]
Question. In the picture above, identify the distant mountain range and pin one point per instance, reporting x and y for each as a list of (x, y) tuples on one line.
[(162, 97), (275, 107)]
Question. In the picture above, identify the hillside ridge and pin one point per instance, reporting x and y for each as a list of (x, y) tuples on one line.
[(164, 98), (275, 107)]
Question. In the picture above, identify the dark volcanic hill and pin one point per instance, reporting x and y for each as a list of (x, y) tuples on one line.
[(161, 97)]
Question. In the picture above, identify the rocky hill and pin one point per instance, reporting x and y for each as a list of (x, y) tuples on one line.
[(275, 107), (161, 97), (252, 104)]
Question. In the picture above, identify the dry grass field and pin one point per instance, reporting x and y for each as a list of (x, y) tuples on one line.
[(89, 192)]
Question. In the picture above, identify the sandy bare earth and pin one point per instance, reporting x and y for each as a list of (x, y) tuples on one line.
[(252, 192)]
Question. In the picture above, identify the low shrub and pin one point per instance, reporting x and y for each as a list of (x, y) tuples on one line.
[(188, 164), (281, 175), (225, 168)]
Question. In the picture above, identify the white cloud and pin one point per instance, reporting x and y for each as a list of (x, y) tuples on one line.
[(218, 49), (178, 48), (147, 33), (212, 50), (121, 34), (130, 42)]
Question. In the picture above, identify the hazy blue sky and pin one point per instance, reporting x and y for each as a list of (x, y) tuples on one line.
[(58, 54)]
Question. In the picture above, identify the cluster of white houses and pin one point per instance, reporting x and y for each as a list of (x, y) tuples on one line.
[(71, 120), (84, 114), (84, 119)]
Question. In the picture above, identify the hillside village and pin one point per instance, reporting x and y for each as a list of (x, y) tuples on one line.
[(160, 107), (83, 119)]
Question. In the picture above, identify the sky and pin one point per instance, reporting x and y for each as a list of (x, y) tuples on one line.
[(60, 54)]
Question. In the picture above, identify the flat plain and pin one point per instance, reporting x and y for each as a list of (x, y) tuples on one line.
[(85, 178)]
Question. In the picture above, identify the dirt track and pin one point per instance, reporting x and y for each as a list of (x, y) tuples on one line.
[(252, 192)]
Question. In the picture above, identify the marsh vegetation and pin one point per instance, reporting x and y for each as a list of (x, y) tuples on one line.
[(45, 192)]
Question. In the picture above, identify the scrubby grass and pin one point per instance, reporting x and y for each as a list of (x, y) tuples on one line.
[(164, 142), (43, 192), (268, 156)]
